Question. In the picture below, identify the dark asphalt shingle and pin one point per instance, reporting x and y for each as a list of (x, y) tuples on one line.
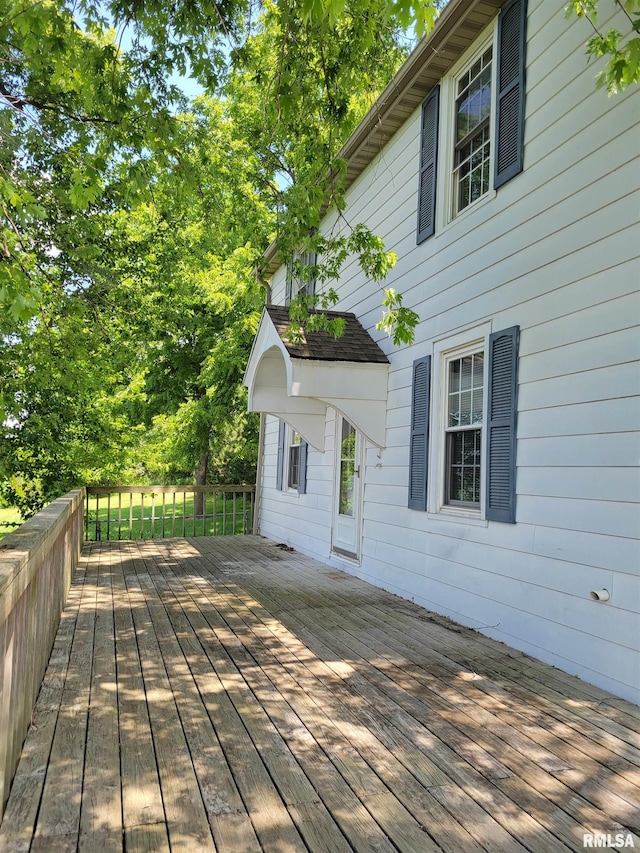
[(354, 345)]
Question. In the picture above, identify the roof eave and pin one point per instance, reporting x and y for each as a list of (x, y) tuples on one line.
[(460, 23)]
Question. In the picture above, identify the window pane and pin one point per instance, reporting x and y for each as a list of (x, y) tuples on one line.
[(347, 468), (466, 372), (465, 390), (478, 377), (465, 408), (464, 466), (348, 440), (294, 466), (347, 473), (454, 376), (473, 105)]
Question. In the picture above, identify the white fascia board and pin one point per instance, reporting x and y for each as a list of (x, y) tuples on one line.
[(339, 379), (358, 391), (267, 338)]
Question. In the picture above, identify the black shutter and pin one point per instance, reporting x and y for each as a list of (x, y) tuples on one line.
[(501, 425), (302, 468), (280, 462), (428, 165), (419, 440), (511, 91)]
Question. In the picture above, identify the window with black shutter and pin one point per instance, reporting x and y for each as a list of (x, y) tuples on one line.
[(474, 456), (291, 463), (484, 146)]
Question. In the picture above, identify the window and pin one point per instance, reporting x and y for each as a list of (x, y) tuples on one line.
[(477, 116), (291, 464), (299, 275), (463, 429), (348, 468), (473, 133), (293, 473), (467, 464)]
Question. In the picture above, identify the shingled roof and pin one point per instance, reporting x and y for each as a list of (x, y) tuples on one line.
[(355, 344)]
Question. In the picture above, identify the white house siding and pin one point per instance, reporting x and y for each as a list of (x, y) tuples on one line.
[(555, 252)]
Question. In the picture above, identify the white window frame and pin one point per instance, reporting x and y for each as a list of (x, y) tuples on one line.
[(447, 189), (290, 443), (445, 351)]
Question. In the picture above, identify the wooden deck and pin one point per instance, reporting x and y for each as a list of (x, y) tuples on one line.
[(225, 694)]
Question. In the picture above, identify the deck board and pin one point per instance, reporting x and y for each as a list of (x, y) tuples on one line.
[(227, 695)]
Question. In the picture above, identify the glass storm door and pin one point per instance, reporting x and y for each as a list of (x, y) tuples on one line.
[(346, 516)]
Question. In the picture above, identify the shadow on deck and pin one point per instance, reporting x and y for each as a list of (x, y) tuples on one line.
[(222, 694)]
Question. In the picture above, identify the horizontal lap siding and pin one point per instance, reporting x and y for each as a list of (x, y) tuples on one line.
[(555, 252), (302, 521)]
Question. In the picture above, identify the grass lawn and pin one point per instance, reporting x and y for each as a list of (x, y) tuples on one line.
[(9, 520), (148, 516)]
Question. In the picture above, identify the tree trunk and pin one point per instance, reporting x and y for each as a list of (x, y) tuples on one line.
[(201, 480)]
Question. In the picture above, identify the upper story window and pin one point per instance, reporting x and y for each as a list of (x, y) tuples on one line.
[(473, 132), (472, 128), (300, 275)]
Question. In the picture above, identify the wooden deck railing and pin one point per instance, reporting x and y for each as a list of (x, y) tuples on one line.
[(148, 512), (36, 565)]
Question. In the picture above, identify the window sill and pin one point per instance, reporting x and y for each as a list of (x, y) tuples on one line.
[(468, 211), (458, 516)]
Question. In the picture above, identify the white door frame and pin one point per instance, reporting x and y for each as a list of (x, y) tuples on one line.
[(346, 527)]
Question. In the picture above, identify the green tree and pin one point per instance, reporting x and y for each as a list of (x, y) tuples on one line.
[(135, 371), (71, 113), (183, 265), (129, 232), (63, 402), (620, 49), (74, 107)]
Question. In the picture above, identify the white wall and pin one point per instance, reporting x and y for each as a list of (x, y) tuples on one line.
[(556, 252)]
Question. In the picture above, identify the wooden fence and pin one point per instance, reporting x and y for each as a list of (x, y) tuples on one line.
[(36, 565), (148, 512)]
